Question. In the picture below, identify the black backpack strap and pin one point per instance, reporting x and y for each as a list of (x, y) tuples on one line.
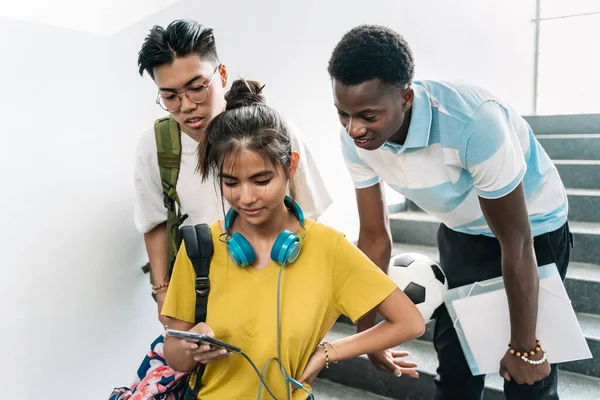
[(199, 249)]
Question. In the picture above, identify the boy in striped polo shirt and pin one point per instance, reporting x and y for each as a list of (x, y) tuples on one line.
[(467, 158)]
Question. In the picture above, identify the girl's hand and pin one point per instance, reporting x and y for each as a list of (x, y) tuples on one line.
[(315, 364), (390, 360), (202, 352)]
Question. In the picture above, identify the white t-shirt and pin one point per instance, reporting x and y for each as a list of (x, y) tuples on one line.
[(202, 200)]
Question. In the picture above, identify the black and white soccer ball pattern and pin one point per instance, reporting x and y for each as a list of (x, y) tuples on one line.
[(421, 279)]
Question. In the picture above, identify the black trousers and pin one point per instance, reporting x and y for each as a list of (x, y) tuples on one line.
[(469, 258)]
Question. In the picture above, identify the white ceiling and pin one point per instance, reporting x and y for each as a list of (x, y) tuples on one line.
[(97, 16)]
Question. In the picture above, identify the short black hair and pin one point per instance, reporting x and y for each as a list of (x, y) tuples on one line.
[(181, 38), (369, 52)]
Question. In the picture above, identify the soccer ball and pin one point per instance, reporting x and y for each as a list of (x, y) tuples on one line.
[(421, 279)]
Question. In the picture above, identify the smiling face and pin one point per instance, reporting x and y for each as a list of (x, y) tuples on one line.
[(373, 112), (193, 74), (254, 186)]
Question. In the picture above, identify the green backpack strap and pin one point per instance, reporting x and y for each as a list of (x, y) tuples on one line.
[(168, 147)]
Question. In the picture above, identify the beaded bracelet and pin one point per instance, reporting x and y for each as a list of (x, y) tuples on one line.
[(337, 356), (535, 362), (324, 346), (526, 355), (160, 286), (538, 347), (326, 354)]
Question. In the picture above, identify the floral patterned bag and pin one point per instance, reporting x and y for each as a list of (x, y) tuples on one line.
[(155, 380)]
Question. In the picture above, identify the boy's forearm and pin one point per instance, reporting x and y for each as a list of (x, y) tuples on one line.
[(521, 281), (156, 247), (379, 250)]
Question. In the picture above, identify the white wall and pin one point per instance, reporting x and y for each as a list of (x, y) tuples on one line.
[(70, 255), (75, 303), (95, 16), (287, 46)]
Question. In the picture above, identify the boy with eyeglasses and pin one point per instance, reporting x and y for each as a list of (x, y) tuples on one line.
[(183, 62)]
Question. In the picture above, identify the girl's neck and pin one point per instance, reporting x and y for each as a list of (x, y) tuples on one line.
[(281, 219)]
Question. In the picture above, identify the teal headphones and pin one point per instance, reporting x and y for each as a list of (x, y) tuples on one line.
[(285, 249)]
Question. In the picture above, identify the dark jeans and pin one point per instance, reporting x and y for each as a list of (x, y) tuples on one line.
[(469, 258)]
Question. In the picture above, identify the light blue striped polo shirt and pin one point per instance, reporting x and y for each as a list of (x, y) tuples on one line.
[(463, 143)]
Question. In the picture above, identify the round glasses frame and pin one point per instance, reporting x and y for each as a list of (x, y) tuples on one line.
[(197, 96)]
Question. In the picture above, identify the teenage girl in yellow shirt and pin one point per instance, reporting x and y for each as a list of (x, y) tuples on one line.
[(277, 295)]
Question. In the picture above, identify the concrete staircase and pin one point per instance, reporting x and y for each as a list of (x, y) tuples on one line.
[(573, 142)]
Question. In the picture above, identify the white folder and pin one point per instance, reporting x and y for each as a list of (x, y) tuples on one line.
[(481, 318)]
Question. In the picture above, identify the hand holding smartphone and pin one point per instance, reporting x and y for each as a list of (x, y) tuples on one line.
[(199, 337)]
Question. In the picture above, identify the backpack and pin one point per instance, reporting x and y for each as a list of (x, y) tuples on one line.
[(198, 240), (155, 380), (168, 148), (199, 249)]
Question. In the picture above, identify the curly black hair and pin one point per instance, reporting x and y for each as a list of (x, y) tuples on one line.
[(369, 52)]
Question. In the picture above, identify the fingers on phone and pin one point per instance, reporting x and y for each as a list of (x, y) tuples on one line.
[(205, 329), (210, 356)]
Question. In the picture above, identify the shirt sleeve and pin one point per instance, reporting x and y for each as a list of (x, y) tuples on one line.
[(490, 151), (359, 285), (180, 302), (362, 175), (149, 209), (311, 192)]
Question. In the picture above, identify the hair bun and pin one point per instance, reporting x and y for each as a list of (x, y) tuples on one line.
[(244, 93)]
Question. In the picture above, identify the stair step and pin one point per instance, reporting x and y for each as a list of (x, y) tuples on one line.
[(583, 287), (582, 283), (580, 174), (415, 227), (324, 389), (564, 124), (359, 373), (590, 325), (584, 204), (587, 242), (571, 147), (429, 251)]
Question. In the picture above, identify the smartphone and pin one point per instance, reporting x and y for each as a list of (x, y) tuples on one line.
[(199, 337)]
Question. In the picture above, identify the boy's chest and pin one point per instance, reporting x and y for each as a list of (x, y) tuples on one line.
[(424, 168)]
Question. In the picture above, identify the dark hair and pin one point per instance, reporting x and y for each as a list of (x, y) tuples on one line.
[(181, 38), (369, 52), (246, 124)]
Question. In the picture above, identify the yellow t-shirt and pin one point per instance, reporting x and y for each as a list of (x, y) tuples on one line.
[(330, 277)]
